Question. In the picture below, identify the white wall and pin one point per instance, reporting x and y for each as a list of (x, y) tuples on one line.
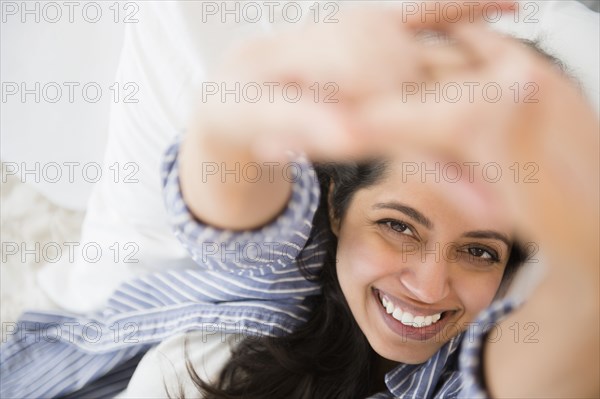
[(43, 51)]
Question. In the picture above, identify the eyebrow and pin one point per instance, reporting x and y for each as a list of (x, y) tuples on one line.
[(407, 210), (422, 219), (489, 234)]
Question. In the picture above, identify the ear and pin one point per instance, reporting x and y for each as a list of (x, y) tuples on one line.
[(333, 221)]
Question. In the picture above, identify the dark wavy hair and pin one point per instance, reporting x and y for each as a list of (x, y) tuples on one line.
[(328, 356)]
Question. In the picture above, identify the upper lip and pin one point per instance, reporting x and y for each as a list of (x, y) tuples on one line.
[(414, 310)]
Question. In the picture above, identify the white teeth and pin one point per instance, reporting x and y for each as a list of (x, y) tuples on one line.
[(419, 321), (428, 320), (389, 308), (408, 318)]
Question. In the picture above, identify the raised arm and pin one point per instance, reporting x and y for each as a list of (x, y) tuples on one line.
[(559, 133), (561, 212), (225, 185), (333, 68)]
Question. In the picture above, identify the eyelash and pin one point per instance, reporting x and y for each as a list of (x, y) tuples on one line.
[(493, 255), (387, 223)]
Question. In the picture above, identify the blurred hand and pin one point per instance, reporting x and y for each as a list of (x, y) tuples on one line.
[(555, 131), (366, 62), (367, 56)]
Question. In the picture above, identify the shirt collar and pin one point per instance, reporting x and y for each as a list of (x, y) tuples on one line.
[(420, 380)]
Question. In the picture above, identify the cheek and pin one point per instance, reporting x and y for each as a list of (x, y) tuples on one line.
[(477, 292), (360, 260), (353, 268)]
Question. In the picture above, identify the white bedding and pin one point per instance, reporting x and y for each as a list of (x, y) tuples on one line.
[(28, 218)]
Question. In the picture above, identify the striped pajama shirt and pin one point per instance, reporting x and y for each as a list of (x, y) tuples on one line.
[(245, 283)]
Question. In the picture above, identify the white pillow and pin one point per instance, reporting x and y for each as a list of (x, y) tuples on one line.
[(167, 54), (566, 29)]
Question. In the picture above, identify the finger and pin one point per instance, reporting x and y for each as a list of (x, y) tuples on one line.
[(442, 60), (444, 131), (361, 53), (435, 119), (397, 121), (320, 132), (486, 46), (269, 129), (442, 15)]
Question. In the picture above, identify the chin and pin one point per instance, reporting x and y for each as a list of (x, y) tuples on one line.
[(408, 353)]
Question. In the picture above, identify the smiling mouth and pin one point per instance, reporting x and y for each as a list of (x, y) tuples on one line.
[(404, 316)]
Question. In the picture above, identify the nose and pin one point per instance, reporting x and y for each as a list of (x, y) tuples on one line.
[(427, 277)]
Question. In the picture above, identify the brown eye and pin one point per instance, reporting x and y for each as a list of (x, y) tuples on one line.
[(398, 227), (482, 253)]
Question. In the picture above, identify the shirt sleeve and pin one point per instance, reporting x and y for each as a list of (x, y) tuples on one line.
[(269, 249), (471, 355)]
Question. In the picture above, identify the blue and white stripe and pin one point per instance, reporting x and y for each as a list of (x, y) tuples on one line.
[(470, 356)]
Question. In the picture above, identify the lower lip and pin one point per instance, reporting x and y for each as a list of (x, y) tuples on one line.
[(408, 332)]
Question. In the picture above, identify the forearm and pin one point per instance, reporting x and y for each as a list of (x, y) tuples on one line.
[(549, 348), (560, 213), (227, 187)]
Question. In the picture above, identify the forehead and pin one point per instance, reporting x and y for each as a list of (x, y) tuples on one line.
[(437, 190)]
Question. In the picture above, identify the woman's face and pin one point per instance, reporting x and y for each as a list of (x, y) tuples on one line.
[(414, 268)]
